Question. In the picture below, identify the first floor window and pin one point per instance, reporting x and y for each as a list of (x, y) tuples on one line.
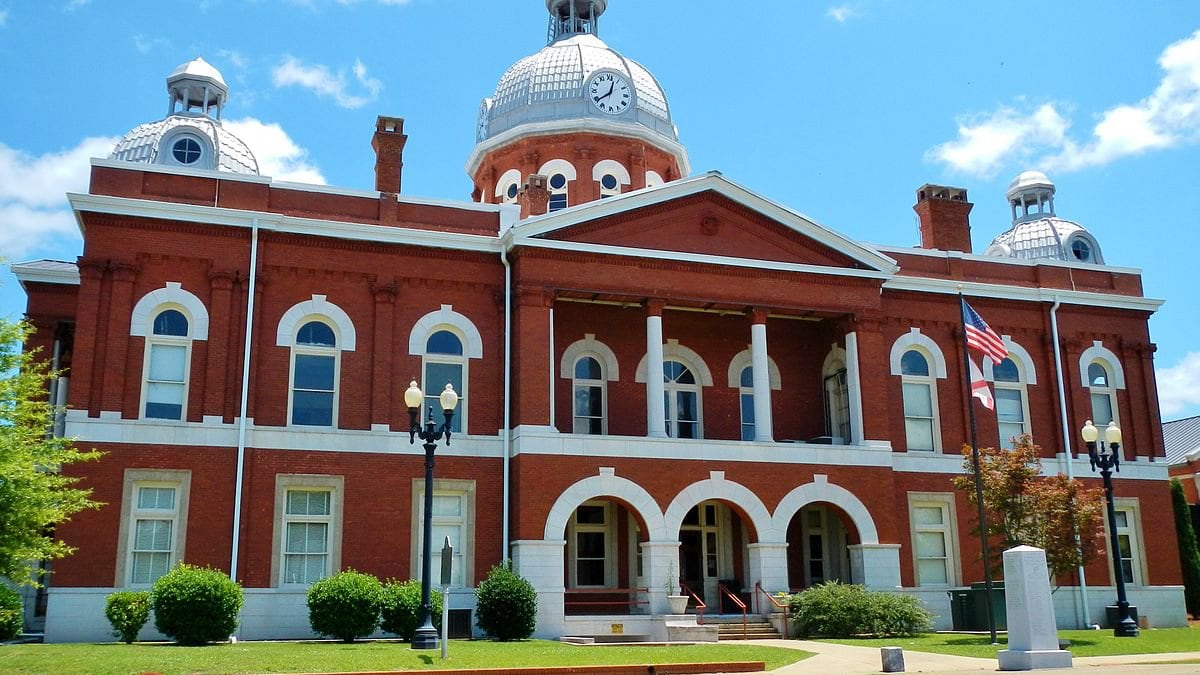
[(307, 527), (591, 543), (153, 524), (453, 518), (1129, 542), (933, 538)]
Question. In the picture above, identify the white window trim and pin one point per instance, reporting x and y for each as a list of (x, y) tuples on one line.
[(445, 318), (653, 179), (609, 529), (316, 483), (510, 177), (915, 339), (1137, 541), (602, 383), (319, 309), (931, 382), (1023, 360), (672, 403), (1098, 352), (444, 486), (184, 341), (612, 166), (945, 501), (673, 351), (141, 322), (334, 352), (181, 480), (589, 346), (1021, 386), (166, 147), (745, 359)]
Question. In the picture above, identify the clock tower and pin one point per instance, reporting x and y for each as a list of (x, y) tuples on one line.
[(591, 122)]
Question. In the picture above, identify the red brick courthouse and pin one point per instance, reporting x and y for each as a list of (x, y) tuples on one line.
[(663, 374)]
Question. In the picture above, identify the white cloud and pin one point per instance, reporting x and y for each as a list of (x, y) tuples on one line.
[(1179, 386), (985, 142), (278, 155), (146, 44), (73, 5), (323, 82), (1168, 117), (842, 13), (33, 206), (3, 18)]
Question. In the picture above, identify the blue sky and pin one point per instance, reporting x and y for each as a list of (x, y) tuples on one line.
[(837, 109)]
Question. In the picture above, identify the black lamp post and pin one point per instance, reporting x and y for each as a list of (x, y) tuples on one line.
[(1108, 458), (426, 636)]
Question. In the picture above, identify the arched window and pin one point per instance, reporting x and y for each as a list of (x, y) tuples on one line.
[(1012, 401), (168, 356), (921, 426), (837, 402), (746, 396), (611, 176), (444, 362), (315, 363), (609, 186), (683, 405), (588, 385), (1103, 394), (558, 192)]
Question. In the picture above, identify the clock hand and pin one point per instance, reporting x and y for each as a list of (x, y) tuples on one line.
[(611, 86)]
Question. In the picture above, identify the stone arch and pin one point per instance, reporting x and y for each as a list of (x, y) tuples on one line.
[(589, 346), (744, 359), (1022, 358), (672, 350), (558, 165), (1098, 352), (446, 317), (821, 490), (914, 338), (510, 177), (716, 487), (318, 306), (606, 484), (171, 295), (614, 167)]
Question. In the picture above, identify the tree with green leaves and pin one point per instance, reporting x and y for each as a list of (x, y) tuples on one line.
[(1025, 508), (1189, 554), (34, 493)]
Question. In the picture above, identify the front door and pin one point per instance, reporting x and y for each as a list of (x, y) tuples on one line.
[(705, 550)]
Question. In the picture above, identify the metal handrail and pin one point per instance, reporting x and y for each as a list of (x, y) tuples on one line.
[(581, 604), (778, 605), (700, 606), (737, 601)]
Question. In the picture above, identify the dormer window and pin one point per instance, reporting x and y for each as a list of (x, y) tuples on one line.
[(1081, 250), (186, 150)]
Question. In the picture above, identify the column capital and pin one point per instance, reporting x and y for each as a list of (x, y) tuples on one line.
[(758, 315), (384, 293), (126, 272), (221, 280), (654, 306), (90, 269)]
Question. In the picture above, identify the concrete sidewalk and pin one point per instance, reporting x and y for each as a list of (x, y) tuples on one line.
[(836, 658)]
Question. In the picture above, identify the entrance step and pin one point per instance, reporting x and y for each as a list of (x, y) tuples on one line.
[(753, 630)]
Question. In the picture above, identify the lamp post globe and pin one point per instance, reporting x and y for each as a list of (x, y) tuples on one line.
[(426, 636)]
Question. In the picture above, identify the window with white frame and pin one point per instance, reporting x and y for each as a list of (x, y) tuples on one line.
[(610, 186), (590, 545), (588, 386), (1103, 394), (307, 529), (682, 392), (453, 517), (837, 402), (315, 358), (445, 363), (153, 522), (921, 426), (558, 192), (1012, 401), (934, 538), (746, 397), (168, 356), (1129, 542)]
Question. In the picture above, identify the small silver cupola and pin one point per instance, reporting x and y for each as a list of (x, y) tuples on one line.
[(573, 17), (197, 86), (1031, 196)]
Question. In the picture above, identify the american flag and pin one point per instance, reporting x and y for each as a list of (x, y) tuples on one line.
[(981, 336), (979, 388)]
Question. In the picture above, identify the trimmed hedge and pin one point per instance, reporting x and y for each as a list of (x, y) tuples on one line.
[(12, 613), (196, 605), (401, 607), (127, 612), (506, 605), (345, 605), (838, 610)]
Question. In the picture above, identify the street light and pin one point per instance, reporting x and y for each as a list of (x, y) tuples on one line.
[(1108, 458), (426, 636)]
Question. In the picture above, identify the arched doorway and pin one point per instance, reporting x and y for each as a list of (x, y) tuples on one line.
[(713, 551), (818, 537), (603, 567)]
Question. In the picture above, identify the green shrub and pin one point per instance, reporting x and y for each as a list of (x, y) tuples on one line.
[(127, 612), (345, 605), (506, 605), (835, 609), (1189, 554), (195, 605), (401, 607), (12, 613)]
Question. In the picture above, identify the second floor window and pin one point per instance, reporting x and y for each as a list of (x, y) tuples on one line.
[(682, 393), (920, 402), (837, 405), (1103, 394), (588, 386), (1011, 401), (746, 396), (445, 363), (314, 376), (168, 353)]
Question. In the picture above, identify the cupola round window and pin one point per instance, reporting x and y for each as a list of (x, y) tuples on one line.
[(1081, 250), (512, 191), (558, 181), (608, 182), (186, 150)]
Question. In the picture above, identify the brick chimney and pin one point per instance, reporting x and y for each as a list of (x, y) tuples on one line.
[(388, 144), (534, 196), (944, 213)]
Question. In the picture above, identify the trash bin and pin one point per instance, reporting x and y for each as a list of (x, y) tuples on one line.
[(999, 610), (962, 609)]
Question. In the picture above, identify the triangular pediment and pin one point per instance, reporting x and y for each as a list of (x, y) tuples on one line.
[(707, 217)]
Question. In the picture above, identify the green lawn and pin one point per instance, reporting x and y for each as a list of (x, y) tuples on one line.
[(1083, 642), (291, 657)]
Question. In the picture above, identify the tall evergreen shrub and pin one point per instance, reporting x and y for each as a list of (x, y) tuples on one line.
[(1189, 554)]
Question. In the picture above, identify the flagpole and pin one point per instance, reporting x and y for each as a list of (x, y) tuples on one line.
[(983, 538)]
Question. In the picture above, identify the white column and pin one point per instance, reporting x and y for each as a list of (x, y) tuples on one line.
[(762, 381), (876, 566), (854, 390), (768, 566), (660, 572), (541, 563), (656, 415)]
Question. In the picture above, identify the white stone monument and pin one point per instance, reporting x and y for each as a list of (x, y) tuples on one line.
[(1032, 630)]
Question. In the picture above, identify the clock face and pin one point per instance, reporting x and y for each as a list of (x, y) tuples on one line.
[(610, 92), (481, 126)]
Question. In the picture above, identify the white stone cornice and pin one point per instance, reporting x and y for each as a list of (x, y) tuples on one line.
[(1023, 293)]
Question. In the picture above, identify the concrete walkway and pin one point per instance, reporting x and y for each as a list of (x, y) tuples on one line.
[(836, 658)]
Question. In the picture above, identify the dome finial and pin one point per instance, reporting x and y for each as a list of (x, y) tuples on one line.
[(573, 17), (197, 85)]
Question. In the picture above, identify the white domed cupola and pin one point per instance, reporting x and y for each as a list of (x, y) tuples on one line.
[(191, 135), (1037, 232)]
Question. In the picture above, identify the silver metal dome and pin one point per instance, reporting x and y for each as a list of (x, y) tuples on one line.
[(191, 135), (1037, 233), (549, 86)]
